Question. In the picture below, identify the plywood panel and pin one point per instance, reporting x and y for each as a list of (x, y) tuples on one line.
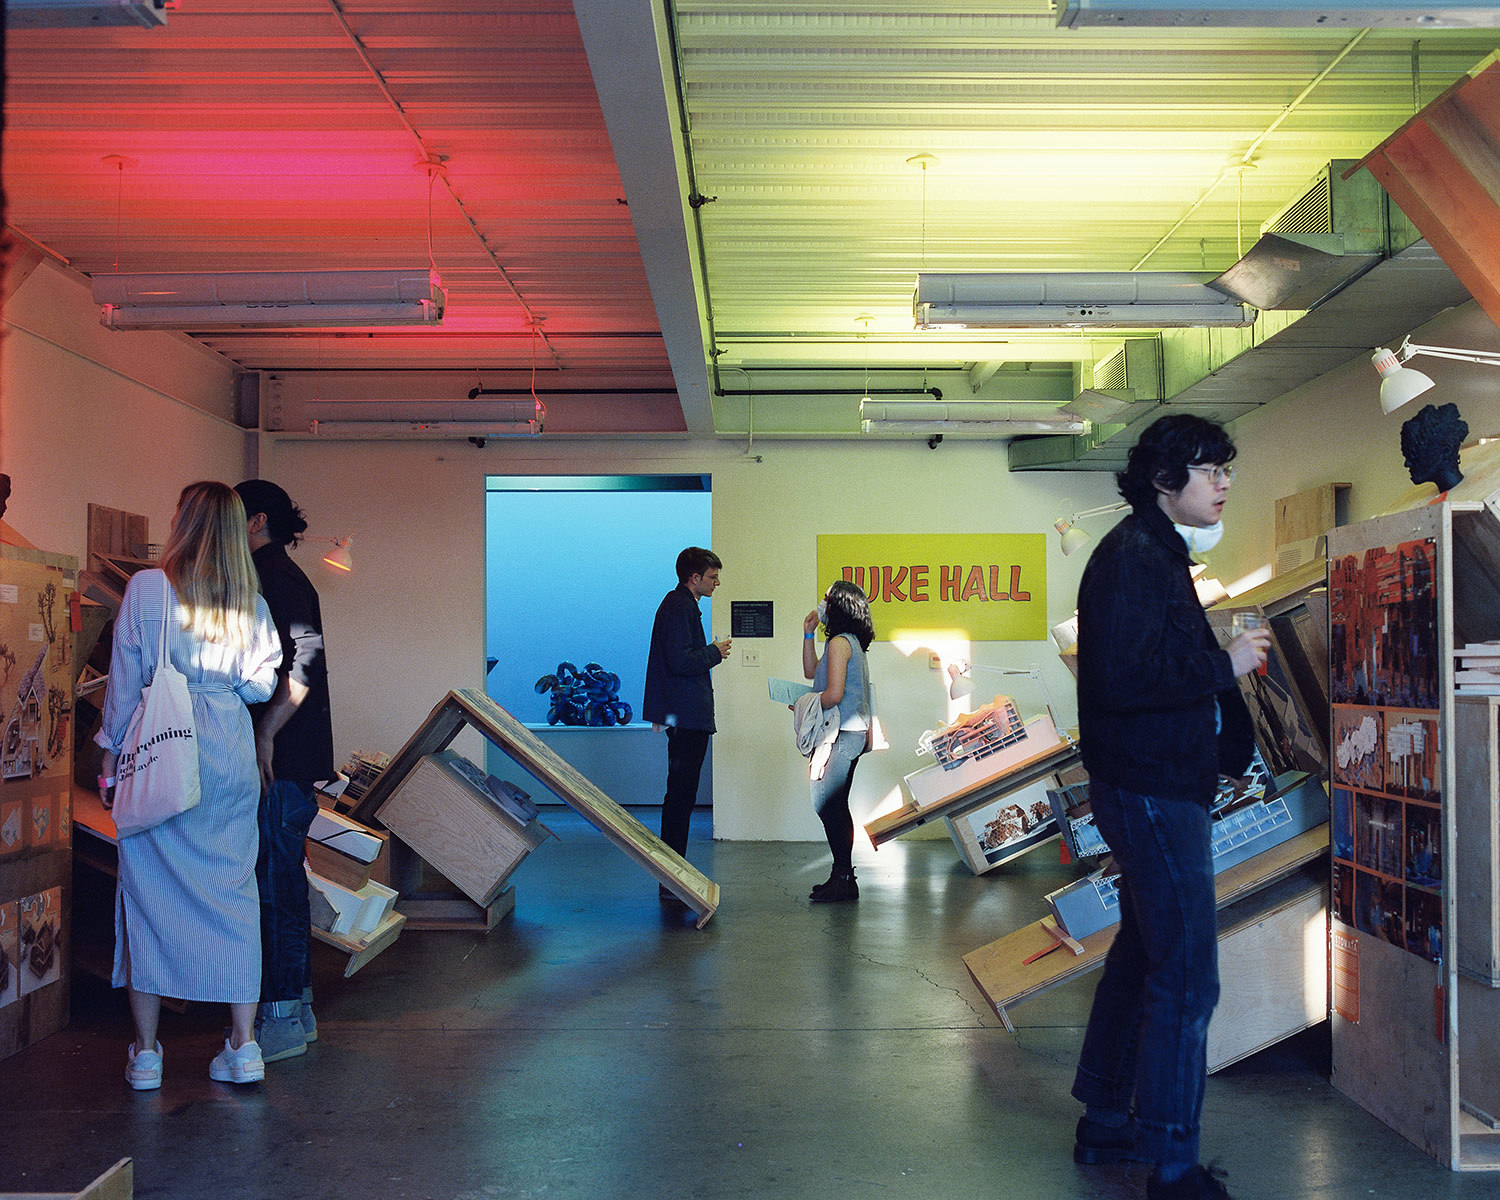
[(1301, 520), (1476, 875), (1004, 977), (469, 706), (448, 821), (1391, 1062), (115, 532), (1273, 974), (1443, 168)]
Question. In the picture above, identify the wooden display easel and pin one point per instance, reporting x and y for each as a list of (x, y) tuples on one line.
[(1009, 970), (117, 1183), (1019, 775), (470, 706), (97, 850)]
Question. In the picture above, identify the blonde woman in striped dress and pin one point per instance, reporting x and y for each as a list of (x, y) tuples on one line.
[(187, 912)]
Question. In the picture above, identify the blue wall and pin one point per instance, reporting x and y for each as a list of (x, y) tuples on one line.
[(577, 575)]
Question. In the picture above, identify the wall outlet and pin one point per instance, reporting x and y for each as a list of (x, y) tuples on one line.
[(750, 656)]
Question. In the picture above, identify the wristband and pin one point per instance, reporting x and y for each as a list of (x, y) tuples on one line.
[(809, 636), (106, 784)]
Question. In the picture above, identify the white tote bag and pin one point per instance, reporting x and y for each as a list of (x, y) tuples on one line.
[(157, 775)]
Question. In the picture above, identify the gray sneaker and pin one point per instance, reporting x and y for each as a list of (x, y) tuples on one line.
[(309, 1022), (280, 1037)]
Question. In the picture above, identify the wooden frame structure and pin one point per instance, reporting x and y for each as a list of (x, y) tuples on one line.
[(471, 707), (1017, 776), (1021, 965), (1414, 1038)]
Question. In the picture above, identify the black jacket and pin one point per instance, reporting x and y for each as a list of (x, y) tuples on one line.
[(1149, 669), (304, 746), (678, 689)]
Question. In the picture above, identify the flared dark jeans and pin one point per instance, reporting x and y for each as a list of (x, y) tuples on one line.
[(1148, 1030), (286, 812)]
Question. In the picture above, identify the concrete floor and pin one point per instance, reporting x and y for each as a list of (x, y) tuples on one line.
[(590, 1047)]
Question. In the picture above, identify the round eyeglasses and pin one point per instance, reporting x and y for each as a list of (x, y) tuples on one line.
[(1216, 474)]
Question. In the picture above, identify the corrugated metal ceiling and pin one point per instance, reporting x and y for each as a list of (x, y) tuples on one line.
[(263, 141)]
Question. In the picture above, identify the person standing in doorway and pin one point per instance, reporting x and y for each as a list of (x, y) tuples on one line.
[(294, 749), (1160, 719), (679, 693)]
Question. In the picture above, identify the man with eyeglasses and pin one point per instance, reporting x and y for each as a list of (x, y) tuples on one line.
[(1160, 719)]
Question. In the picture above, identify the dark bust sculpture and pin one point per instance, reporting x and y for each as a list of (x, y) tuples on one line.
[(1430, 443)]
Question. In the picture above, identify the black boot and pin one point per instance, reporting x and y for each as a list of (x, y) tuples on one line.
[(841, 886)]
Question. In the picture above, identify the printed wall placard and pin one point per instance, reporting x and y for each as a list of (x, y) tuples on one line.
[(983, 587), (41, 933), (1345, 962), (12, 827)]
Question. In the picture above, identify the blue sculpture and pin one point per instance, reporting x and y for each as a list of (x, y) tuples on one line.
[(587, 697)]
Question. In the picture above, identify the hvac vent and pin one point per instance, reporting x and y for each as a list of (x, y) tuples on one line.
[(1320, 242), (1310, 213), (1109, 372)]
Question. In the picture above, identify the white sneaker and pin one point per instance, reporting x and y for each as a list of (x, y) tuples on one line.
[(143, 1070), (244, 1065)]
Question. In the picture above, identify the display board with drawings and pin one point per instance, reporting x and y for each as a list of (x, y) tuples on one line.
[(1285, 732), (1075, 816), (1387, 796)]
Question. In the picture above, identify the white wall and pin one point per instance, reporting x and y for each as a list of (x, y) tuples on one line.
[(91, 415), (409, 624), (1332, 430), (126, 419)]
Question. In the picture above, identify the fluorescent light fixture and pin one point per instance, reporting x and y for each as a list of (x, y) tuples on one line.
[(964, 418), (59, 14), (1075, 539), (1072, 299), (1400, 383), (1324, 14), (269, 299), (340, 556), (525, 420)]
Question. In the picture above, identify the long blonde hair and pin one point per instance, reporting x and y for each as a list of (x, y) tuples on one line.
[(207, 560)]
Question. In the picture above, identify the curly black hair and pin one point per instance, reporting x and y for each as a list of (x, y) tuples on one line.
[(285, 522), (1170, 445), (848, 612)]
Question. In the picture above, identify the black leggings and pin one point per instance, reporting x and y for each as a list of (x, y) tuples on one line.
[(830, 797)]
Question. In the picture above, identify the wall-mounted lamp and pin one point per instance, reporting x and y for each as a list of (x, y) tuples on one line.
[(340, 556), (961, 674), (1400, 383), (1073, 538)]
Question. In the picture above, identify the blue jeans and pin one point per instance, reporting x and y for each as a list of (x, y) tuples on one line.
[(1148, 1030), (286, 811)]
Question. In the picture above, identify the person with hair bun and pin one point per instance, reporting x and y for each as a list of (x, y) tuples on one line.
[(186, 905), (294, 749), (842, 675)]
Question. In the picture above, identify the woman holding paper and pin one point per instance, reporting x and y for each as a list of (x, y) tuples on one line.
[(842, 677), (187, 912)]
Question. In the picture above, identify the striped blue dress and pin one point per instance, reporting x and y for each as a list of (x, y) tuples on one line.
[(187, 912)]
